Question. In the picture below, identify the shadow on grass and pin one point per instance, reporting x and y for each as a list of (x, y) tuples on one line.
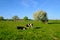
[(54, 23), (37, 27)]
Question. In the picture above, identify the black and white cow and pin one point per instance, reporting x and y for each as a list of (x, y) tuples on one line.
[(21, 27), (29, 25)]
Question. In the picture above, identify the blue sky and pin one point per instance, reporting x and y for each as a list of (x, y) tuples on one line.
[(21, 8)]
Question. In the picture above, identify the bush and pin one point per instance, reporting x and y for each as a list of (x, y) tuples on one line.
[(25, 18), (1, 18)]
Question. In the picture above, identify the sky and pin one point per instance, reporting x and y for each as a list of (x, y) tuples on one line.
[(22, 8)]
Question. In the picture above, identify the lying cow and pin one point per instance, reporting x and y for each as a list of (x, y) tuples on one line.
[(29, 25), (21, 27)]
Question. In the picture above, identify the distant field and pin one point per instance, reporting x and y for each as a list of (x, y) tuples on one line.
[(40, 31)]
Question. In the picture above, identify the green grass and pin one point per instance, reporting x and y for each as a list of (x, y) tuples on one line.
[(40, 31)]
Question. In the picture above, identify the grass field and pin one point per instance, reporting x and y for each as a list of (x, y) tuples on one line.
[(40, 31)]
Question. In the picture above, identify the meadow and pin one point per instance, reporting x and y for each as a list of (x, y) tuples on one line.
[(40, 31)]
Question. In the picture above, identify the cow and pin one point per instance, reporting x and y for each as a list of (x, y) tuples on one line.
[(26, 27), (29, 25), (21, 27)]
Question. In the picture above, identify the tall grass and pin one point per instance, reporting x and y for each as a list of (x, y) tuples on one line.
[(40, 31)]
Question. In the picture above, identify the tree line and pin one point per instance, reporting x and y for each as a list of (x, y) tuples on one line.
[(15, 18), (39, 16)]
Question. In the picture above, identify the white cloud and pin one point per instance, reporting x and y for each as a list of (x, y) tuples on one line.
[(29, 3), (25, 4)]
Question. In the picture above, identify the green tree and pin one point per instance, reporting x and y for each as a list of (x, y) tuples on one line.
[(1, 18), (41, 15), (25, 18), (15, 18)]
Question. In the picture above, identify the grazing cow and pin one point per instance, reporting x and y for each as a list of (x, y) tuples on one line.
[(29, 25), (21, 27)]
